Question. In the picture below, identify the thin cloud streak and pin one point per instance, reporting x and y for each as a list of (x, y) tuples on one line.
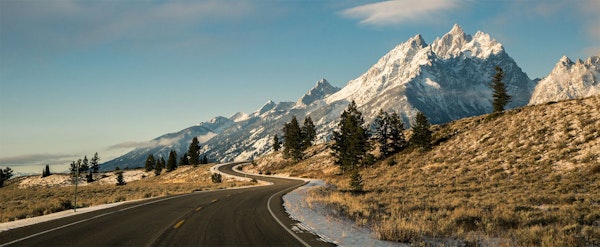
[(63, 24), (29, 159), (398, 11), (149, 144)]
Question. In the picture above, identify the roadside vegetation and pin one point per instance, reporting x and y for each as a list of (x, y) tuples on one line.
[(522, 177), (31, 196)]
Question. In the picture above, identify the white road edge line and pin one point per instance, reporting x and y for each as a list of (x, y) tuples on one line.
[(88, 219), (269, 204), (109, 213)]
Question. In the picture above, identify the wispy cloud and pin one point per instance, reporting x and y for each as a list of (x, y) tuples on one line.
[(128, 145), (30, 159), (148, 144), (68, 24), (398, 11)]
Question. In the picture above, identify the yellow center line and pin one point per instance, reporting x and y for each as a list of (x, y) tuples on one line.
[(215, 200), (178, 224), (198, 209)]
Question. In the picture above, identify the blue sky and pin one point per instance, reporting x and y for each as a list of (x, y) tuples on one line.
[(78, 77)]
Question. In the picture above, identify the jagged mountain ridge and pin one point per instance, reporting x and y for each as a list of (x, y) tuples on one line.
[(447, 80), (569, 80)]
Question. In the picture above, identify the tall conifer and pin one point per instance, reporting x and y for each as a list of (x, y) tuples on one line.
[(499, 93), (350, 140), (194, 152)]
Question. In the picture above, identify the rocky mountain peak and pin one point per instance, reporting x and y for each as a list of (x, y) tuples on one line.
[(321, 90), (569, 80)]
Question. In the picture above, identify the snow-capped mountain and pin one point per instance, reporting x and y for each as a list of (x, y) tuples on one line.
[(446, 80), (569, 80)]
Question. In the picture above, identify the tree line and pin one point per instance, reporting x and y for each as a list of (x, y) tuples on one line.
[(353, 142), (296, 139), (191, 157)]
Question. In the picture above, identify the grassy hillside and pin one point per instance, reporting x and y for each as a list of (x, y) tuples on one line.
[(32, 196), (528, 177)]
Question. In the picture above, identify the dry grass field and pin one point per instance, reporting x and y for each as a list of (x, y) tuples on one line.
[(528, 177), (32, 196)]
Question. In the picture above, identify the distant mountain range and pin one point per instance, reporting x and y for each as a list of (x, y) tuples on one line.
[(446, 80)]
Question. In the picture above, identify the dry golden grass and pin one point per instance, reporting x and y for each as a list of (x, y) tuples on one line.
[(20, 202), (527, 177)]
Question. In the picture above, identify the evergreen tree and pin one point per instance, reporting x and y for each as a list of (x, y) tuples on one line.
[(46, 171), (94, 163), (205, 159), (381, 126), (172, 161), (89, 177), (499, 92), (5, 175), (350, 140), (308, 133), (398, 141), (194, 152), (388, 133), (84, 165), (150, 163), (276, 143), (183, 160), (120, 179), (421, 132), (292, 140), (159, 166)]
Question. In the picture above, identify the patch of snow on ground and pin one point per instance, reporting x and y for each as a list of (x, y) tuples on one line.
[(332, 229)]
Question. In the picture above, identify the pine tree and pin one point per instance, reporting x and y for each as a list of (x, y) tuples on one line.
[(381, 126), (499, 94), (90, 176), (350, 140), (150, 163), (5, 175), (159, 166), (120, 179), (292, 140), (194, 152), (421, 137), (398, 141), (205, 159), (46, 171), (94, 163), (276, 143), (308, 133), (183, 160), (172, 161), (84, 165)]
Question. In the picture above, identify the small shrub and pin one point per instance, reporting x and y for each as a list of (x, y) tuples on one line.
[(216, 178)]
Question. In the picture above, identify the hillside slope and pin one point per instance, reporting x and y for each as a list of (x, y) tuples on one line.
[(528, 177)]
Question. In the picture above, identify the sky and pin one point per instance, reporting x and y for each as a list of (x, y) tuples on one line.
[(79, 77)]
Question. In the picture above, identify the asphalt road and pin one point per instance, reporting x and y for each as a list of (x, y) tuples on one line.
[(238, 217)]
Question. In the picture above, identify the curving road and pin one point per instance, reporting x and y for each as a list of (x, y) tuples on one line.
[(237, 217)]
